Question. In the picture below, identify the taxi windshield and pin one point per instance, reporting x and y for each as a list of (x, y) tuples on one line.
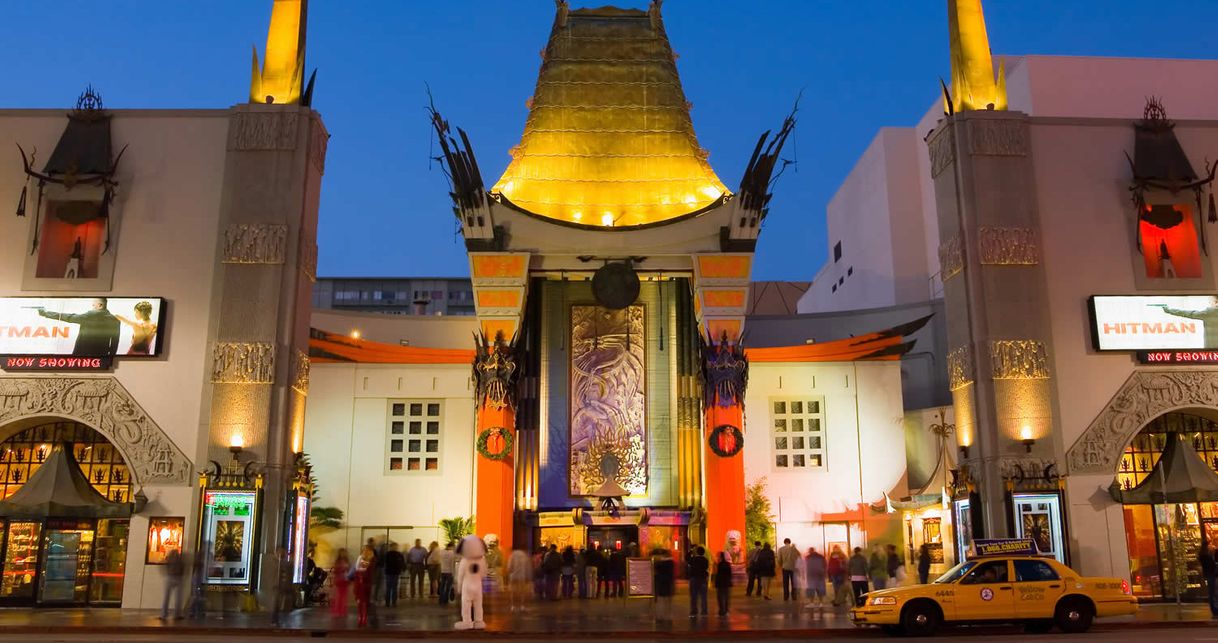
[(952, 575)]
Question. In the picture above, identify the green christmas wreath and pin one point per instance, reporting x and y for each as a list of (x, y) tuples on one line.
[(485, 437)]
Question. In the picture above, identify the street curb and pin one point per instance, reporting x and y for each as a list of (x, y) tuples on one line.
[(494, 634)]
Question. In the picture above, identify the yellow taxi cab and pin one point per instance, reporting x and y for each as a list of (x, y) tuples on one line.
[(1022, 588)]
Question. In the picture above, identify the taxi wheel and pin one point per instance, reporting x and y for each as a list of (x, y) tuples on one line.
[(921, 618), (1074, 615)]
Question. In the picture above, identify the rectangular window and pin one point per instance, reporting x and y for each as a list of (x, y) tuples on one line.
[(412, 438), (837, 252), (798, 436)]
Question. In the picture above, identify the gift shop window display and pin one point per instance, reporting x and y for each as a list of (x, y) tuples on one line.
[(53, 559)]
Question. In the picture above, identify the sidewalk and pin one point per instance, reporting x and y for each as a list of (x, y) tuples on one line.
[(626, 618)]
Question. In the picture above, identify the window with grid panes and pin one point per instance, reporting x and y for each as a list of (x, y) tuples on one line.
[(412, 438), (797, 433)]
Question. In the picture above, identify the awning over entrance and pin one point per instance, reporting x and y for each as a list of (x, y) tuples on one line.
[(1180, 476), (58, 489)]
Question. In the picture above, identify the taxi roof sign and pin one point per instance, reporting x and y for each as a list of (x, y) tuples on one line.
[(1004, 547)]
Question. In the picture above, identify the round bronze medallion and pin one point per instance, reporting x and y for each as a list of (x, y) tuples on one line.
[(615, 285), (726, 441)]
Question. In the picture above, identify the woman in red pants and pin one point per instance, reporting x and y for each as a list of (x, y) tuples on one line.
[(339, 576), (364, 567)]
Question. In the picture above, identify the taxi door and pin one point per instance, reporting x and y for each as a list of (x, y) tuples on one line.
[(1037, 588), (986, 593)]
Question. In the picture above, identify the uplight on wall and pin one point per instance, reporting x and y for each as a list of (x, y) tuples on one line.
[(1025, 436), (607, 219), (355, 334)]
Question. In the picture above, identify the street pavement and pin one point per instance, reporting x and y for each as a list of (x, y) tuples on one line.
[(590, 620)]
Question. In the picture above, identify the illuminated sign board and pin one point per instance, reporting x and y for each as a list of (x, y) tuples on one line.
[(228, 535), (1004, 547), (81, 326), (18, 363), (1154, 323), (300, 531)]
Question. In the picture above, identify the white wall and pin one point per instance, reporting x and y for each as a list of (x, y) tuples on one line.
[(345, 437), (863, 420), (164, 237), (423, 331)]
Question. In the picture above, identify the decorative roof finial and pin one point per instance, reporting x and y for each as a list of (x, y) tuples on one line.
[(974, 85), (280, 79)]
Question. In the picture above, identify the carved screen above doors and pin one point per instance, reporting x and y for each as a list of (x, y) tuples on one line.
[(608, 397)]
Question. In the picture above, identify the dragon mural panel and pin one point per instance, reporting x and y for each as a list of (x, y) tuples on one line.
[(608, 397)]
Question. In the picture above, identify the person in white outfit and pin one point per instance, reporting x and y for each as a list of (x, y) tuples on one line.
[(471, 569)]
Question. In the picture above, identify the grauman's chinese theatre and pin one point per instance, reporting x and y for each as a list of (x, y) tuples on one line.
[(611, 269)]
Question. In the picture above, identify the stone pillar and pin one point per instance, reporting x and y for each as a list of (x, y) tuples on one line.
[(996, 303), (266, 265)]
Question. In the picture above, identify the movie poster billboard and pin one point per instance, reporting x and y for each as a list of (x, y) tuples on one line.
[(81, 326), (1154, 322), (228, 536)]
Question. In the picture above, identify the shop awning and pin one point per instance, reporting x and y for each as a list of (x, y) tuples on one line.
[(1179, 476), (58, 489)]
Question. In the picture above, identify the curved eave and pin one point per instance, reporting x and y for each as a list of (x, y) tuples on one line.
[(713, 205)]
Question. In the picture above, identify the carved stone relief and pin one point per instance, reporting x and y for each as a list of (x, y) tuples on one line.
[(959, 367), (1008, 246), (271, 130), (989, 137), (1019, 359), (951, 258), (307, 259), (105, 406), (300, 372), (242, 363), (255, 243), (319, 140), (1144, 396), (942, 152)]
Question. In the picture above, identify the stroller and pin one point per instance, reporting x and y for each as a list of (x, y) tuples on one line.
[(315, 586)]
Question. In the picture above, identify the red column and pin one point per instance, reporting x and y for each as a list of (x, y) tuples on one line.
[(724, 481), (495, 494)]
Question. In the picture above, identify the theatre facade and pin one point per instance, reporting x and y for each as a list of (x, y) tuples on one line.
[(153, 328), (1068, 230)]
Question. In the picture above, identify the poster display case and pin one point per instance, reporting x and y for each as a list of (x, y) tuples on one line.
[(164, 536), (21, 561), (300, 537), (228, 532)]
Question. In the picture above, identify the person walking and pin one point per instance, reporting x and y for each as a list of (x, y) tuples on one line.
[(723, 583), (519, 570), (665, 582), (617, 570), (568, 572), (395, 564), (816, 567), (699, 574), (431, 565), (285, 588), (750, 567), (581, 572), (340, 573), (551, 566), (596, 571), (766, 566), (924, 564), (877, 568), (378, 571), (1209, 569), (448, 567), (175, 570), (788, 554), (895, 567), (416, 562), (365, 569), (856, 567), (835, 568)]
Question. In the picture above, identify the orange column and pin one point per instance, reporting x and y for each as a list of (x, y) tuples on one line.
[(494, 496), (724, 480)]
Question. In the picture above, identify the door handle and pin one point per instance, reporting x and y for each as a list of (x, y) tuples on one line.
[(1006, 587), (1054, 586)]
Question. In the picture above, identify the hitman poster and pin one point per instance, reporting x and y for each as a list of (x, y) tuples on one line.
[(1139, 323), (81, 326)]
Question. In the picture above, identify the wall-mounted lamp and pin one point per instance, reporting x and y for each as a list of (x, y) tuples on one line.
[(964, 451), (1025, 436), (235, 443)]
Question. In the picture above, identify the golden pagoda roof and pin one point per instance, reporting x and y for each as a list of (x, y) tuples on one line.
[(974, 84), (609, 140)]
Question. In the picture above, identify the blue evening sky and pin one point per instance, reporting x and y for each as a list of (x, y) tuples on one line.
[(385, 209)]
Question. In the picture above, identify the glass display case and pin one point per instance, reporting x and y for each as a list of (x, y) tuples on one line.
[(109, 562), (20, 560), (67, 559)]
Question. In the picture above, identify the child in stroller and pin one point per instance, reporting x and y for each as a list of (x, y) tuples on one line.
[(315, 584)]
